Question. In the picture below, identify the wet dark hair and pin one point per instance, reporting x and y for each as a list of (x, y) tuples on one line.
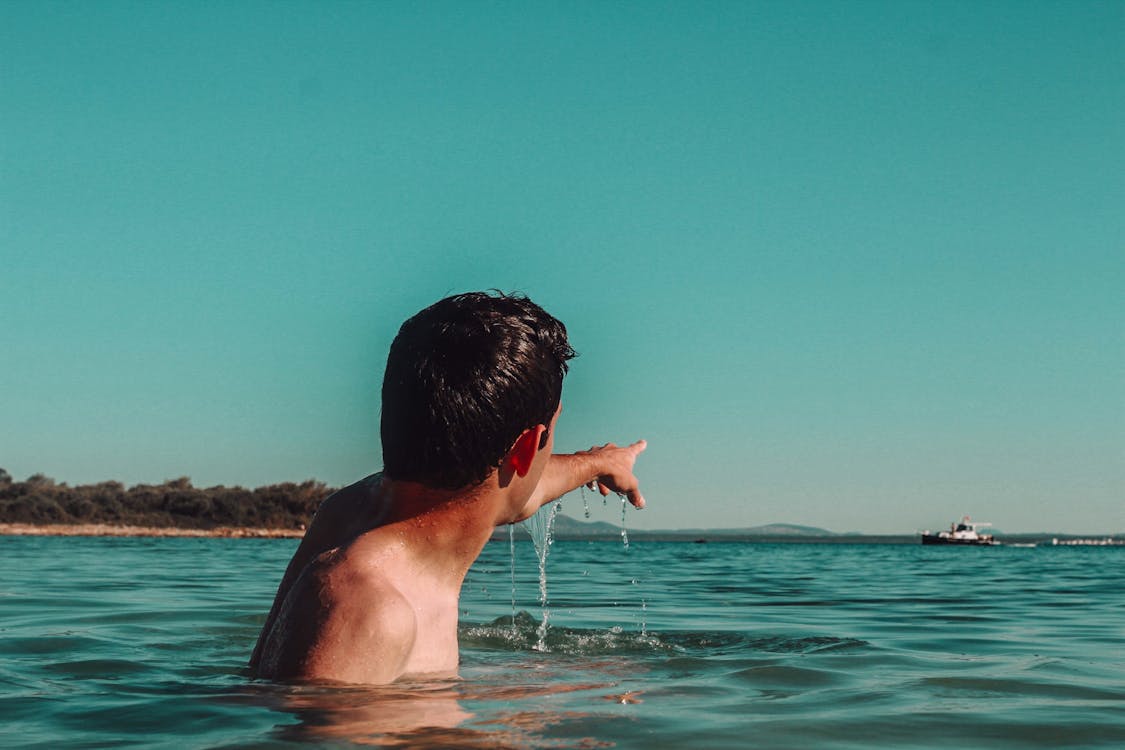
[(465, 377)]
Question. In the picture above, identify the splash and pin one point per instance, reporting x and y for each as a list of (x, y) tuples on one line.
[(540, 526)]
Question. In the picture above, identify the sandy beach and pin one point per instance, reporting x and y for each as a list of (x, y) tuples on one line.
[(101, 529)]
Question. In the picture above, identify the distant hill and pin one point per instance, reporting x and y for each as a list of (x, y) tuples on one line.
[(570, 528), (775, 529), (567, 527)]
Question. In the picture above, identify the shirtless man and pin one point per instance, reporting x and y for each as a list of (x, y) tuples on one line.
[(471, 398)]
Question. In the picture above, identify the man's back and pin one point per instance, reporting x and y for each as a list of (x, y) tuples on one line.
[(341, 612)]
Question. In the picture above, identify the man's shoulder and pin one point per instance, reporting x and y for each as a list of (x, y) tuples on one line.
[(358, 572), (385, 609), (370, 627)]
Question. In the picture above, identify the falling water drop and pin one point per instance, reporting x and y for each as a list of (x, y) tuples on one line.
[(624, 533), (512, 552), (539, 526)]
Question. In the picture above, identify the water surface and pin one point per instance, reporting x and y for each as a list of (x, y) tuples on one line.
[(114, 642)]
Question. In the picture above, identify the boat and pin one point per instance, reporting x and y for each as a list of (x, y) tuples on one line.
[(963, 533)]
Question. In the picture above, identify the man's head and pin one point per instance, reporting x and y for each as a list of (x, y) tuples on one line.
[(465, 377)]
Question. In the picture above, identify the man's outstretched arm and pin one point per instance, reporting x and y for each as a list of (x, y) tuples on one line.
[(607, 468)]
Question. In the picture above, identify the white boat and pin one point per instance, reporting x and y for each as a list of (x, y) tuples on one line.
[(964, 533)]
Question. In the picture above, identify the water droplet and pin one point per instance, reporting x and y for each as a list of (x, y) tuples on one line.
[(624, 533), (512, 552)]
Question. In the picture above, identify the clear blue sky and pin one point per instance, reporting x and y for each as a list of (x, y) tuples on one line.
[(854, 265)]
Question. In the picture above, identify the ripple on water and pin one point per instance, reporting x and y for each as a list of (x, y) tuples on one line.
[(784, 675), (104, 669), (979, 686), (53, 643)]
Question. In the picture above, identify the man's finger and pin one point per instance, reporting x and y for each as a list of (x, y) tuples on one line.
[(637, 499), (638, 447)]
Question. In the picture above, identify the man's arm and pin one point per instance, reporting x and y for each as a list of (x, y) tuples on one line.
[(607, 468), (314, 542)]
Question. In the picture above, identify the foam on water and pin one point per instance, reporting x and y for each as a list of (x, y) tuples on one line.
[(499, 634)]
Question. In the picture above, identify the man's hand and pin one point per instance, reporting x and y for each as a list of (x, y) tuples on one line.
[(615, 470), (606, 468)]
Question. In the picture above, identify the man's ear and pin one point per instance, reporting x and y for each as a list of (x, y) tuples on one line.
[(524, 450)]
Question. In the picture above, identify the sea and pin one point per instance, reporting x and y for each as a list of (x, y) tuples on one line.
[(116, 642)]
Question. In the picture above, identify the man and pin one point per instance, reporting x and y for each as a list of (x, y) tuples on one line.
[(471, 397)]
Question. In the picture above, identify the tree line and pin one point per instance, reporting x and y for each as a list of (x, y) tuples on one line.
[(173, 504)]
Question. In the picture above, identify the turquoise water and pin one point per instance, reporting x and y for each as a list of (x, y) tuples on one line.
[(112, 642)]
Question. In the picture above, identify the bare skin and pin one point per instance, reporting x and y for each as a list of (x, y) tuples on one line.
[(371, 592)]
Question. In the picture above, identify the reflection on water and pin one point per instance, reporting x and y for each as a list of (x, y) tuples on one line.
[(398, 715), (420, 713)]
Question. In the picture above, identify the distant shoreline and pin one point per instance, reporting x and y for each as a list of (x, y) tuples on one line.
[(697, 536), (500, 534), (105, 529)]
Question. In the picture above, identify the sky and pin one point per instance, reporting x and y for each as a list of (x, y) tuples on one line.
[(851, 265)]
